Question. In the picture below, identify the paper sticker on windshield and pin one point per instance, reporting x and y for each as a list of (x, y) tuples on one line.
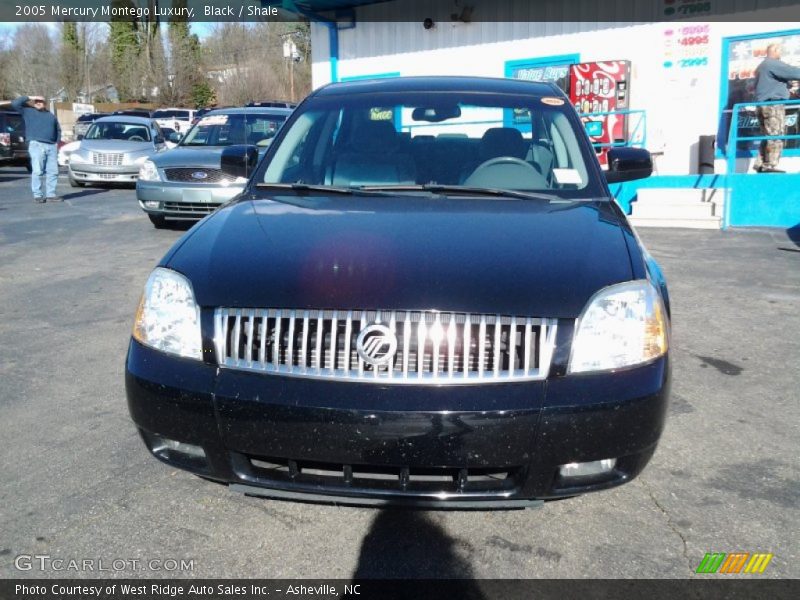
[(567, 176), (552, 101), (214, 120)]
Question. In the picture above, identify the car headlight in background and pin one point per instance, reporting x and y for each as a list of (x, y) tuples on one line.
[(148, 171), (622, 325), (237, 181), (168, 318), (140, 160), (77, 157)]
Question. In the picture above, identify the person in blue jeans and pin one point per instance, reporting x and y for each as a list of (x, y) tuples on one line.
[(43, 133)]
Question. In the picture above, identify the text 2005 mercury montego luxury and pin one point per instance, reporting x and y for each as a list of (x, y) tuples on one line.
[(425, 294)]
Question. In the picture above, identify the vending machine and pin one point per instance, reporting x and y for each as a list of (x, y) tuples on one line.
[(602, 87)]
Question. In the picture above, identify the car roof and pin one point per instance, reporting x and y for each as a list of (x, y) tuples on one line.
[(444, 83), (251, 110), (126, 119)]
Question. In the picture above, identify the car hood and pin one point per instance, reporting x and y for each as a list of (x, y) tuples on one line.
[(520, 257), (186, 156), (116, 146)]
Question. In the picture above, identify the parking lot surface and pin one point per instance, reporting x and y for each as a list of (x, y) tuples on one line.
[(77, 482)]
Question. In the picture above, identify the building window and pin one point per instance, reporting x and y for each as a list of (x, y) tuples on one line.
[(547, 69), (740, 57)]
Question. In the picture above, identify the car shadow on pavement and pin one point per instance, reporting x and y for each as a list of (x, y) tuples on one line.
[(81, 194), (408, 544), (794, 234), (6, 177)]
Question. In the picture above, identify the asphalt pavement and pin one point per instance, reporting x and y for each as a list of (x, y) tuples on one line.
[(76, 482)]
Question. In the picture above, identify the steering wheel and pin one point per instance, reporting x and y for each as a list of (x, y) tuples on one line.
[(502, 160), (483, 176), (136, 138)]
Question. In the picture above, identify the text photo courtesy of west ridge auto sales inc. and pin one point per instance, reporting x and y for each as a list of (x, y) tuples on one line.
[(389, 299)]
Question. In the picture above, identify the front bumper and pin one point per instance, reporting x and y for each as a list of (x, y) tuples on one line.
[(89, 173), (179, 200), (487, 445)]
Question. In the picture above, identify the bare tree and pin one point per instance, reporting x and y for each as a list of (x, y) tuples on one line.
[(245, 62), (33, 62)]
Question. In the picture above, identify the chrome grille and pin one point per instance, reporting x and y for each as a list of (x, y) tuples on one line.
[(205, 208), (188, 175), (107, 159), (431, 346)]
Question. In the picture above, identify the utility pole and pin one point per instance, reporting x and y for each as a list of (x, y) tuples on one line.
[(290, 53)]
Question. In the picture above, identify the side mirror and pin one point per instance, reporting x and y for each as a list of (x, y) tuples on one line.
[(175, 137), (239, 160), (628, 164), (159, 140), (79, 137)]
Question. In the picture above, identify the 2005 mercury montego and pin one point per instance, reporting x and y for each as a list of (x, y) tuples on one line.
[(425, 294)]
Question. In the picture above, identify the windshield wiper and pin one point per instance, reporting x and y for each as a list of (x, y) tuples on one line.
[(327, 189), (460, 189)]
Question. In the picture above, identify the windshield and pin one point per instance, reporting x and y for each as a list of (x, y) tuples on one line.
[(119, 130), (227, 130), (498, 141), (181, 115)]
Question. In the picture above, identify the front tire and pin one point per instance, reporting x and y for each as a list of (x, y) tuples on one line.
[(28, 166), (158, 221)]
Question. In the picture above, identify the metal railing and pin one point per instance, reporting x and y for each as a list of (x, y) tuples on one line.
[(731, 148), (637, 128)]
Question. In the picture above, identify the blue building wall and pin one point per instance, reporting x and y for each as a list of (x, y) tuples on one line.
[(753, 200)]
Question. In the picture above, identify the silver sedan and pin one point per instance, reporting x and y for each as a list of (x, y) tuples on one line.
[(114, 149), (187, 182)]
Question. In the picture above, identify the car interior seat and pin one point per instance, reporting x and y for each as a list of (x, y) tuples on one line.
[(497, 142), (373, 155)]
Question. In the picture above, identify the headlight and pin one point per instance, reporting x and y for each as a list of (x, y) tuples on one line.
[(622, 325), (148, 171), (237, 181), (77, 157), (140, 160), (168, 319)]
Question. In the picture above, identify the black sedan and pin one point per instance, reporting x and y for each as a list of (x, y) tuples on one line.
[(425, 294)]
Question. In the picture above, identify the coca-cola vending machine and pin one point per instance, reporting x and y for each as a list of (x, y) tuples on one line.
[(601, 87)]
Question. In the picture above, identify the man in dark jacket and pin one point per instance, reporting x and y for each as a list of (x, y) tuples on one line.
[(43, 133), (772, 75)]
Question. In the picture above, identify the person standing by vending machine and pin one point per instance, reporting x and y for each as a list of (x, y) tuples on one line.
[(772, 79)]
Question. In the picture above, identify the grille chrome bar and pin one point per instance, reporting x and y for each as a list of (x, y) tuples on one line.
[(432, 347)]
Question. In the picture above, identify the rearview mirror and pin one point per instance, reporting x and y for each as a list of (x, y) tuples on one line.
[(239, 160), (436, 114), (628, 164)]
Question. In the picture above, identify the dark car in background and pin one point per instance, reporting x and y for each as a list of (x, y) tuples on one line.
[(83, 122), (425, 294), (272, 104), (13, 143), (187, 182), (134, 112)]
